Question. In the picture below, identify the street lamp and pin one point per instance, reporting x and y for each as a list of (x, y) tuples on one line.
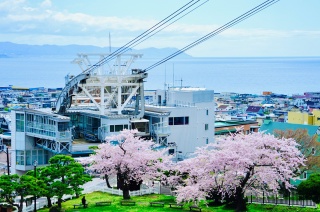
[(35, 163)]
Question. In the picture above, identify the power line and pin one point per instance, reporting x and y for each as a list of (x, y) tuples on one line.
[(171, 23), (235, 21), (126, 47)]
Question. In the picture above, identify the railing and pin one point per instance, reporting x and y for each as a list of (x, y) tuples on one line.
[(41, 203), (161, 128), (279, 200), (183, 104), (99, 186), (40, 129), (132, 193), (64, 135)]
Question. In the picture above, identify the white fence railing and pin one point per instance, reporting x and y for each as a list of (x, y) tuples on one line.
[(132, 193), (41, 203), (96, 185)]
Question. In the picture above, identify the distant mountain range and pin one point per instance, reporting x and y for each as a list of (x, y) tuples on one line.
[(8, 49)]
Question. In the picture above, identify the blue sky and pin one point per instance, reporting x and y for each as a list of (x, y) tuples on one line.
[(287, 28)]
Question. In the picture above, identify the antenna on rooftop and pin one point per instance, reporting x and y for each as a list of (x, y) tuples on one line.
[(173, 75), (109, 43), (180, 82), (165, 76)]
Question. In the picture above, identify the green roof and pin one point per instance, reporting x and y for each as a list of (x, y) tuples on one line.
[(229, 123), (222, 132), (270, 126)]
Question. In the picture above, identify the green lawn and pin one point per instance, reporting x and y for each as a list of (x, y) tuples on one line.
[(142, 204)]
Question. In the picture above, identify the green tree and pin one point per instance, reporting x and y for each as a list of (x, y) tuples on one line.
[(43, 174), (13, 186), (66, 176), (310, 188)]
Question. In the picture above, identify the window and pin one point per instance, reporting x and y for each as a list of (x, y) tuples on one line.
[(186, 120), (305, 175), (179, 120), (140, 126), (34, 155), (28, 157), (20, 157), (171, 151), (207, 112), (170, 120), (19, 122), (62, 126), (313, 151), (207, 141), (206, 126), (40, 157), (118, 127)]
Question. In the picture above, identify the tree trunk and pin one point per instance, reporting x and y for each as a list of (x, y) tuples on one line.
[(120, 182), (59, 202), (126, 194), (107, 180), (241, 204), (49, 202), (20, 207)]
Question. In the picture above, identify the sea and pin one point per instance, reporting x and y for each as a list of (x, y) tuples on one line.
[(280, 75)]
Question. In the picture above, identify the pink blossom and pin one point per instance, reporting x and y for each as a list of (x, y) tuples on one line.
[(256, 162), (132, 157)]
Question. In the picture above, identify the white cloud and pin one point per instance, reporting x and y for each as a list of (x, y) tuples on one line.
[(29, 9), (46, 25), (46, 3)]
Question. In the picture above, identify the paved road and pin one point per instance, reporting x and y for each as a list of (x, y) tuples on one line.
[(3, 162)]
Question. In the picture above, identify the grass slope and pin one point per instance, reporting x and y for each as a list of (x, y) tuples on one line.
[(142, 205)]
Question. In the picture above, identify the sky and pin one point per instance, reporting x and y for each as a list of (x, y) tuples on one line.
[(287, 28)]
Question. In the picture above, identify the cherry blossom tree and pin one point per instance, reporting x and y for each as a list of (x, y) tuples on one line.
[(237, 163), (130, 158)]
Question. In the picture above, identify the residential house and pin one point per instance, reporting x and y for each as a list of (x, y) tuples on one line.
[(270, 126), (255, 109), (226, 127), (303, 117)]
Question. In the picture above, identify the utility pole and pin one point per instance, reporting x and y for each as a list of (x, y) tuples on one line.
[(35, 163), (8, 166)]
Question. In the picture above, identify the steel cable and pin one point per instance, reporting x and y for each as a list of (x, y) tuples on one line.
[(235, 21)]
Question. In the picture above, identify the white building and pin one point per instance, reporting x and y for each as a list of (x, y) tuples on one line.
[(37, 136), (190, 120), (100, 102)]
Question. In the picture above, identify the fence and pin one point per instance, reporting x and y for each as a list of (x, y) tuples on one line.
[(132, 193), (41, 203), (292, 200), (95, 185)]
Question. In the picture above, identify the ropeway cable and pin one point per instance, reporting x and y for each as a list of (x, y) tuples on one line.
[(127, 46), (235, 21), (217, 31), (171, 23)]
